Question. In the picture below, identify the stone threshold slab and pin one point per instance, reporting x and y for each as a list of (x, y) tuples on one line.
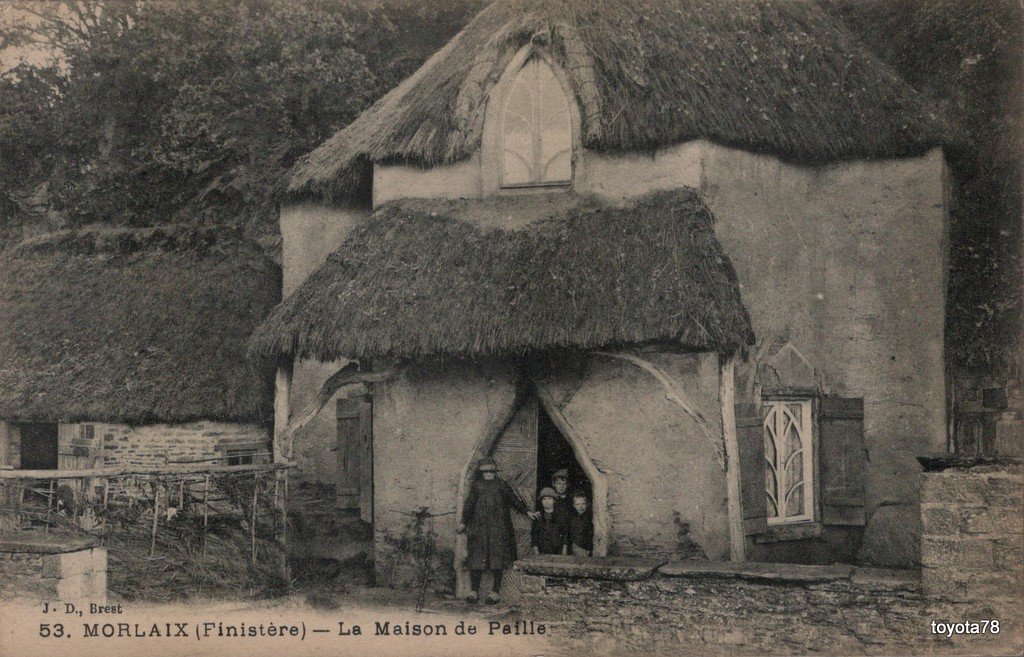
[(33, 543), (621, 569), (636, 569)]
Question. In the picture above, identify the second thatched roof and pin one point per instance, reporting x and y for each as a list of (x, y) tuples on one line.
[(134, 326), (772, 76), (424, 278)]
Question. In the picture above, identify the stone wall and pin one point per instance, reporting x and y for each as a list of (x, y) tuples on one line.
[(972, 521), (697, 608), (154, 445), (50, 569)]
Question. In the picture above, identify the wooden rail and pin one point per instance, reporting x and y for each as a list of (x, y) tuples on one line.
[(94, 473)]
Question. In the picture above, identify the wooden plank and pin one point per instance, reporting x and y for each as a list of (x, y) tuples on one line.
[(366, 460), (127, 471), (727, 400), (282, 410)]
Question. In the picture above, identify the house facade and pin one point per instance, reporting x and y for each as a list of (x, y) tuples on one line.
[(577, 239), (128, 348)]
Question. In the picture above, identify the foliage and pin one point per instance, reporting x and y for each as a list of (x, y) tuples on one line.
[(190, 111)]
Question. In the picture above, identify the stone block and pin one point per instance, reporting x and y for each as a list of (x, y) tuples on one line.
[(778, 572), (875, 580), (994, 520), (952, 487), (592, 568), (76, 563), (1004, 491), (939, 520), (75, 587), (968, 553), (892, 537), (99, 558)]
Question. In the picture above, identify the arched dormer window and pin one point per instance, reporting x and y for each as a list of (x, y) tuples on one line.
[(536, 129)]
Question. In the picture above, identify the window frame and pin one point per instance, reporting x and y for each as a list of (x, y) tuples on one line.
[(491, 148), (504, 117), (811, 471), (240, 454)]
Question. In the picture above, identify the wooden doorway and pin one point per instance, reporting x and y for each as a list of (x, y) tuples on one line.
[(354, 487)]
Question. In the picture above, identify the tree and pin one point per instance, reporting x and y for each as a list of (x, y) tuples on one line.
[(193, 111)]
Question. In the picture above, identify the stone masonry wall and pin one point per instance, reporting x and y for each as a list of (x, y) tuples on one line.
[(691, 608), (53, 572), (158, 444), (972, 518)]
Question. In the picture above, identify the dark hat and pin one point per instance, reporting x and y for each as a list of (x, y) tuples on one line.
[(487, 464), (547, 492), (563, 473)]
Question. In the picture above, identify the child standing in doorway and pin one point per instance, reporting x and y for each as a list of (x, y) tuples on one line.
[(581, 526), (550, 531)]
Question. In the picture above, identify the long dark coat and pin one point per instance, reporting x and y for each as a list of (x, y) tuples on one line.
[(490, 539)]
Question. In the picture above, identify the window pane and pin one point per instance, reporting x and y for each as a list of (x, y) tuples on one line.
[(536, 129), (787, 445)]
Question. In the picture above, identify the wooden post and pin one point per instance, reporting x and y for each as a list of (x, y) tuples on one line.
[(252, 521), (282, 411), (156, 516), (282, 454), (206, 511), (727, 399)]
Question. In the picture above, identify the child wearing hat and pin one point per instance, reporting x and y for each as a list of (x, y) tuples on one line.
[(550, 531), (487, 521)]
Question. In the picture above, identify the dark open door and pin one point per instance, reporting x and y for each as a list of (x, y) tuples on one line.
[(354, 487), (38, 446)]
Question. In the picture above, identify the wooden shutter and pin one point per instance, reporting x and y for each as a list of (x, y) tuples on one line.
[(750, 437), (843, 460)]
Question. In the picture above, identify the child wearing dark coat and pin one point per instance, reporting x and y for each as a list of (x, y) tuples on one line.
[(581, 526), (487, 521), (550, 531)]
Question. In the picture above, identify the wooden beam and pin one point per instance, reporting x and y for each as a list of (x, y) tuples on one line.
[(674, 394), (727, 400), (282, 454), (282, 410), (346, 381), (128, 471)]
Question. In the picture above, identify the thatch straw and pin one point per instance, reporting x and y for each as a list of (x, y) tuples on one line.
[(418, 280), (133, 326), (774, 76)]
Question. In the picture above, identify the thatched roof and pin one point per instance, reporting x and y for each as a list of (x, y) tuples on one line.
[(773, 76), (133, 326), (419, 280)]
